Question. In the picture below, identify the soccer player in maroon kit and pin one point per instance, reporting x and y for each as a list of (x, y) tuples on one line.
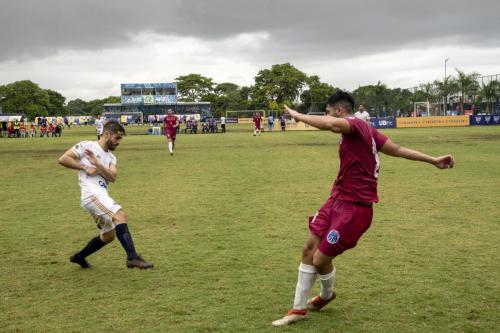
[(170, 123), (347, 213), (257, 118)]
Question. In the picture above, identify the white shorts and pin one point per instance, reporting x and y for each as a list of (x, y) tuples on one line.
[(102, 208)]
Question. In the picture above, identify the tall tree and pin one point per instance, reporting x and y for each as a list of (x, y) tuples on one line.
[(282, 84), (56, 103), (467, 84), (25, 97), (314, 98), (194, 87), (489, 93), (77, 107), (228, 96)]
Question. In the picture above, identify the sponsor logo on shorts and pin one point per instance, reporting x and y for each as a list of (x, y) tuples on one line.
[(333, 236)]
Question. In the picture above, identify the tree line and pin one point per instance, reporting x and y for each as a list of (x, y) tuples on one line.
[(281, 84)]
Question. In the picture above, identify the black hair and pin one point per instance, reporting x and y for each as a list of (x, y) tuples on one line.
[(113, 126), (342, 99)]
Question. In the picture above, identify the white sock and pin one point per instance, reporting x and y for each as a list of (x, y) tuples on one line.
[(170, 146), (327, 281), (305, 282)]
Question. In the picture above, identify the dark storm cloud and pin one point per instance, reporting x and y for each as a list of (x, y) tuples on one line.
[(34, 28)]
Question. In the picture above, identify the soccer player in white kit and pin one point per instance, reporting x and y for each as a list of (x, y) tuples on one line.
[(99, 126), (97, 167)]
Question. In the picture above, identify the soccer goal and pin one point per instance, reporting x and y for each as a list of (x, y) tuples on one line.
[(421, 108)]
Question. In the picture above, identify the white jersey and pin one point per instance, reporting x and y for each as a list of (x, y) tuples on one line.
[(223, 120), (362, 115), (93, 185), (99, 126)]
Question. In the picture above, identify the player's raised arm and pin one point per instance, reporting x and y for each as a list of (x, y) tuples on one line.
[(393, 149), (337, 125)]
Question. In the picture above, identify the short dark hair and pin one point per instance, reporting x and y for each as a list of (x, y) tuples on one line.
[(113, 126), (342, 99)]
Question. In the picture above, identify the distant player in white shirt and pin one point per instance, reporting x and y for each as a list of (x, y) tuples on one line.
[(362, 114), (97, 167), (99, 126)]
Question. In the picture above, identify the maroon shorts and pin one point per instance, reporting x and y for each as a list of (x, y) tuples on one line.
[(171, 134), (340, 224)]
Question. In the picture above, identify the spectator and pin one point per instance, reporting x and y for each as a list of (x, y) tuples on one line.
[(52, 130), (32, 130), (10, 130), (204, 128), (43, 130), (223, 124), (22, 130), (283, 122), (58, 130), (16, 125), (194, 126), (270, 122)]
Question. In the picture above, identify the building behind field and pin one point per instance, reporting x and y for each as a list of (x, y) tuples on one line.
[(147, 99)]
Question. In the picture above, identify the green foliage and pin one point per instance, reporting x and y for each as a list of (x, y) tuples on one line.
[(25, 97), (77, 107), (194, 87), (489, 93), (282, 83), (56, 103), (466, 84), (314, 98)]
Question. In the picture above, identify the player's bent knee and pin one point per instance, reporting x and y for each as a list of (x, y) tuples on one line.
[(321, 260), (120, 217), (108, 237)]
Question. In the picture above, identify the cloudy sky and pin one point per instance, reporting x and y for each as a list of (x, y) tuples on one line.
[(86, 48)]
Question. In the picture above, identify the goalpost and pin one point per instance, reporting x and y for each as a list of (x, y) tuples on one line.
[(430, 109), (419, 106)]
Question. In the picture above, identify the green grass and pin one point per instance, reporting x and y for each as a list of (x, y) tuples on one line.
[(224, 221)]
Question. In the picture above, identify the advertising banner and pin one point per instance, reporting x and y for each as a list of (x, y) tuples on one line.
[(484, 120), (447, 121), (387, 122)]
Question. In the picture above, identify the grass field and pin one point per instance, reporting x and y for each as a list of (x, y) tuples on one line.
[(224, 221)]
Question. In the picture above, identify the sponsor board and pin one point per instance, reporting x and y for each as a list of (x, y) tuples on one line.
[(446, 121), (484, 120), (388, 122)]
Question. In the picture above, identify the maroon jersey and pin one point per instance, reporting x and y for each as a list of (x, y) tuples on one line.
[(256, 120), (169, 122), (359, 163)]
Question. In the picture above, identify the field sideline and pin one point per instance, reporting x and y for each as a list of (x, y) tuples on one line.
[(224, 221)]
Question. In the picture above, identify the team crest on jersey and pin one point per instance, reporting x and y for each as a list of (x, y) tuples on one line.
[(333, 236)]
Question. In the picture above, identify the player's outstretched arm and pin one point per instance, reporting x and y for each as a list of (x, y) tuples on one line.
[(393, 149), (337, 125)]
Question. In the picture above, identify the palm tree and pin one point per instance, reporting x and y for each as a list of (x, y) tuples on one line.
[(466, 84), (489, 92)]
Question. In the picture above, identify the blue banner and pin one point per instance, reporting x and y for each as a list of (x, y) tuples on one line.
[(484, 120), (149, 99), (148, 85), (387, 122)]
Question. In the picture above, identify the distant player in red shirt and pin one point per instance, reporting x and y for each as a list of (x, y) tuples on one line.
[(170, 124), (257, 118), (347, 213)]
